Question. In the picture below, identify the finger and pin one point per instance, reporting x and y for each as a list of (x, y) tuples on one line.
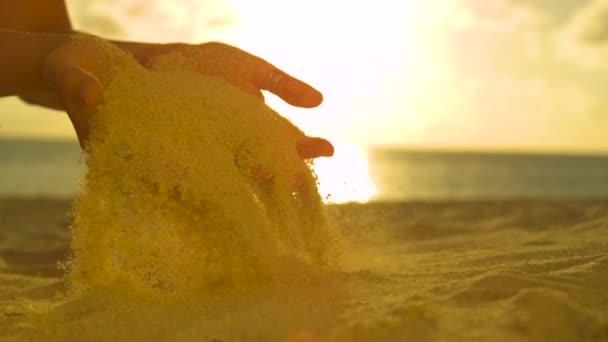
[(288, 88), (81, 93), (268, 77), (310, 147), (91, 90), (248, 71)]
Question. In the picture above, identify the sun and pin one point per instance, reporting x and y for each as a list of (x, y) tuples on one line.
[(345, 177), (347, 51), (368, 58)]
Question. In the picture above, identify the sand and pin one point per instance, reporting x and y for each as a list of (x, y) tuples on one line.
[(532, 270), (192, 184)]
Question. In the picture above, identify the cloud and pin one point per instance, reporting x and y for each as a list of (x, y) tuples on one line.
[(504, 71), (487, 35), (85, 16), (153, 20), (508, 85), (505, 15), (590, 25), (584, 38)]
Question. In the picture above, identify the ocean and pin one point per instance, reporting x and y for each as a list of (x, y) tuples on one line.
[(45, 168), (49, 168)]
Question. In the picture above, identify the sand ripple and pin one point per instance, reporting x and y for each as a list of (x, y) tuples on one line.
[(471, 281)]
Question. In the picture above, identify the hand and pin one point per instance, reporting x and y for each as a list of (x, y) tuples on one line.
[(246, 71), (77, 72)]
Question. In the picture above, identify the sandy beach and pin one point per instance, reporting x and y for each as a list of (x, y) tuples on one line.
[(521, 270)]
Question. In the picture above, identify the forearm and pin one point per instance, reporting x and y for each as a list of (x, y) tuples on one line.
[(22, 58)]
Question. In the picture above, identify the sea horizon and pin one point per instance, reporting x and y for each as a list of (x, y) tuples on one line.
[(41, 167), (422, 148)]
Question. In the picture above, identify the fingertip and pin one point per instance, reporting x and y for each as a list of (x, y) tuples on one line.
[(327, 149), (91, 93), (300, 94), (311, 147), (313, 98), (78, 87)]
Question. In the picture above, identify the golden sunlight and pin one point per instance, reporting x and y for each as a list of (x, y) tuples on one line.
[(345, 177), (351, 52)]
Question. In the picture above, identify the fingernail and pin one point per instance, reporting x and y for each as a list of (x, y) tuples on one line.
[(84, 98), (90, 95)]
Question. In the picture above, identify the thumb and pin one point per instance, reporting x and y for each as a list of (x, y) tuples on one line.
[(80, 91), (76, 86)]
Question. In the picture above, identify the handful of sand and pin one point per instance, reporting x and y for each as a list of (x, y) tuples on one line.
[(191, 182)]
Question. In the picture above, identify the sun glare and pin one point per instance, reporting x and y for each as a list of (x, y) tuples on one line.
[(345, 177), (349, 51)]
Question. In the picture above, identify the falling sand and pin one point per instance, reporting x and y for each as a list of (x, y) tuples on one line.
[(197, 221), (192, 183)]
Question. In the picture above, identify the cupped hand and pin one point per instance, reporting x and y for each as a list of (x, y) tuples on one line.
[(78, 70), (248, 72)]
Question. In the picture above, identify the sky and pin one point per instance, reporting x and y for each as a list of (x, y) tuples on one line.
[(481, 74)]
